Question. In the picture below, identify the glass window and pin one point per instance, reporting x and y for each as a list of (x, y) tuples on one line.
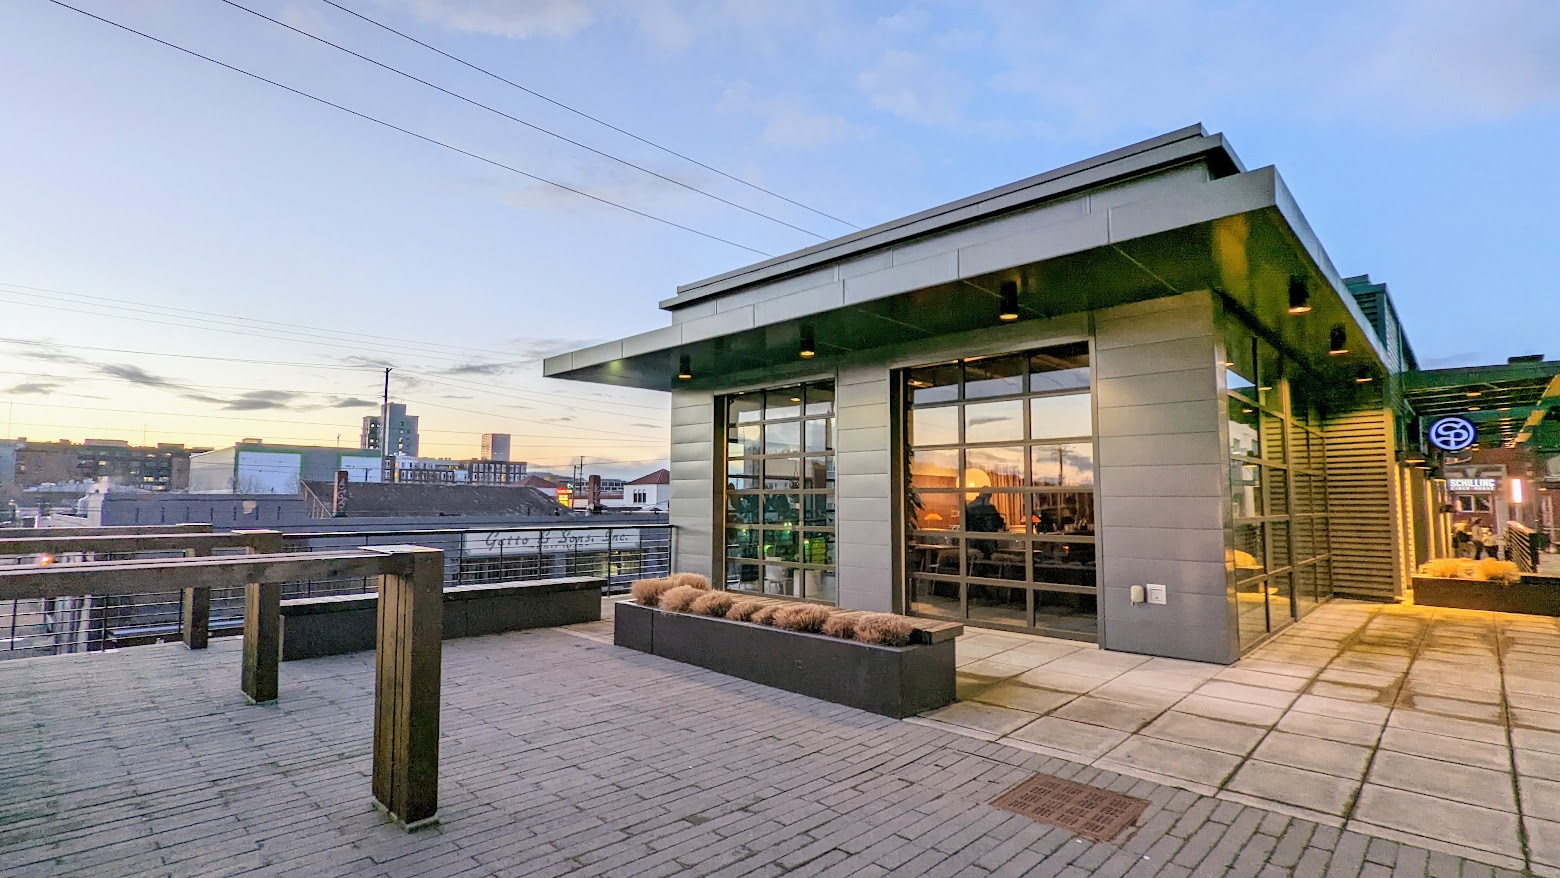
[(994, 376), (1001, 519), (938, 426), (1069, 465), (1061, 417), (779, 492), (1245, 439), (994, 421), (1245, 489), (934, 383), (1248, 558)]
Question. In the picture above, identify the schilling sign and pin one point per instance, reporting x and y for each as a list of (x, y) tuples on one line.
[(548, 542)]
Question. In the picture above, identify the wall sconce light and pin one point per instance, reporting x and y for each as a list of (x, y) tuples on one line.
[(809, 347), (1363, 377), (1337, 341), (684, 368), (1009, 304), (1299, 296)]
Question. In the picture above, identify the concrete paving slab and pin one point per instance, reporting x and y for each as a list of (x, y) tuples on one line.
[(1446, 780), (1026, 698), (1209, 734), (1174, 760), (1330, 728), (1429, 817), (1335, 758), (1314, 791), (1120, 715), (1076, 738), (1447, 749)]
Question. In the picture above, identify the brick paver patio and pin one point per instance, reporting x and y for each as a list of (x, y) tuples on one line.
[(564, 755), (1436, 727)]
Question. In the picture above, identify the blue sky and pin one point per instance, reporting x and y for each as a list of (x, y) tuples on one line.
[(1418, 137)]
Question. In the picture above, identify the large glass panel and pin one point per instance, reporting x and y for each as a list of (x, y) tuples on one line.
[(999, 466), (1002, 533), (994, 421), (818, 509), (1248, 558), (786, 402), (993, 376), (818, 472), (746, 439), (1068, 465), (934, 426), (744, 475), (745, 408), (1272, 438), (1275, 491), (820, 399), (933, 597), (934, 383), (744, 508), (819, 435), (934, 468), (1251, 611), (782, 473), (782, 508), (938, 510), (1061, 417), (998, 603), (783, 438), (1062, 513), (1245, 489), (1245, 439), (1280, 599)]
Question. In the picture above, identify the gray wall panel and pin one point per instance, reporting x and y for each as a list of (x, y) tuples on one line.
[(1162, 483)]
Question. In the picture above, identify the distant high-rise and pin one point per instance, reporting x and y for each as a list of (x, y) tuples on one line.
[(402, 432), (495, 446)]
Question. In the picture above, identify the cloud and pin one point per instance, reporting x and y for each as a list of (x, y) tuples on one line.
[(788, 122), (256, 400), (134, 375), (515, 19), (455, 396), (648, 426), (914, 88), (349, 402), (42, 388)]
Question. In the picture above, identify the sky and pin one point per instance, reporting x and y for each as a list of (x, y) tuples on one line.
[(189, 254)]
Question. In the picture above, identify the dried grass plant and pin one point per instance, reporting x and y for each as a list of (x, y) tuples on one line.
[(802, 617), (679, 599), (884, 628), (647, 592), (840, 625), (743, 610), (692, 580), (713, 603), (765, 615)]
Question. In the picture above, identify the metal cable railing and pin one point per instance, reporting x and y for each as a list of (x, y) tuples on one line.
[(620, 554)]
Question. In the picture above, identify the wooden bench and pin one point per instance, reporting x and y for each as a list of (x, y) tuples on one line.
[(337, 624)]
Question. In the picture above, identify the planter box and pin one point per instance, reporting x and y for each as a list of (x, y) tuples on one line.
[(1536, 596), (896, 681), (314, 627)]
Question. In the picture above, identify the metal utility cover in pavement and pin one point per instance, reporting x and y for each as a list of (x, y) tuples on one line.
[(1088, 811)]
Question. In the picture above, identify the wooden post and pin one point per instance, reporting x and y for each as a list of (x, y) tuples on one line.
[(195, 616), (195, 610), (406, 686), (262, 640)]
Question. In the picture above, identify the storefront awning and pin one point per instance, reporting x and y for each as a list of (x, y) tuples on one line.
[(1510, 403)]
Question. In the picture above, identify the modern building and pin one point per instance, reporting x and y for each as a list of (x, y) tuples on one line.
[(403, 431), (446, 471), (161, 467), (651, 492), (1129, 401), (496, 471), (495, 446), (255, 467)]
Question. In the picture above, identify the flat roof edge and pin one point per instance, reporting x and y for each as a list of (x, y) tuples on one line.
[(914, 225)]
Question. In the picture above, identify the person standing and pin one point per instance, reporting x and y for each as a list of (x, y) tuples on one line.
[(1491, 543)]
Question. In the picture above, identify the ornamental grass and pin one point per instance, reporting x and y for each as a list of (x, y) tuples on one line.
[(885, 629), (647, 592), (713, 603), (680, 598), (802, 617)]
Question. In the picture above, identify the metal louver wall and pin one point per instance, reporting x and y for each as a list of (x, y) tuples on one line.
[(1363, 499)]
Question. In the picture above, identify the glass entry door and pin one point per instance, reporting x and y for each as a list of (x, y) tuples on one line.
[(999, 504)]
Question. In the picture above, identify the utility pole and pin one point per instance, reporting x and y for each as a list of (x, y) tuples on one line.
[(384, 431)]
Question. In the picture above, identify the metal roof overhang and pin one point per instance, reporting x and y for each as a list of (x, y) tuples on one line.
[(1240, 234), (1508, 403)]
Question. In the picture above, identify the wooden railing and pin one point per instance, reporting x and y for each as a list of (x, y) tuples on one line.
[(408, 653), (197, 541)]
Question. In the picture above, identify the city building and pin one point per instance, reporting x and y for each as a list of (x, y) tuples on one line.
[(649, 493), (255, 467), (496, 471), (495, 446), (403, 432), (427, 470), (161, 467), (1129, 401)]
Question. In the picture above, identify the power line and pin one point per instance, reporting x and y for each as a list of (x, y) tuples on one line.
[(410, 133), (125, 303), (585, 115), (267, 333), (77, 347), (516, 119)]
